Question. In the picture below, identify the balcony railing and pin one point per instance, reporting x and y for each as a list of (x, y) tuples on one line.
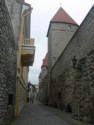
[(28, 42), (27, 52)]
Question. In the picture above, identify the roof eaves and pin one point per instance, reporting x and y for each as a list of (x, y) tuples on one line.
[(48, 29), (22, 2)]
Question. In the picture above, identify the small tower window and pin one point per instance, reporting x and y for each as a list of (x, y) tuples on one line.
[(69, 26)]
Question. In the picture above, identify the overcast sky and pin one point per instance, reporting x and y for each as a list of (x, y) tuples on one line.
[(43, 11)]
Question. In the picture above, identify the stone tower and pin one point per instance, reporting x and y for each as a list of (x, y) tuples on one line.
[(61, 29)]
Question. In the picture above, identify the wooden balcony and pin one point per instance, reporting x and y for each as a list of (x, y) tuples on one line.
[(27, 52)]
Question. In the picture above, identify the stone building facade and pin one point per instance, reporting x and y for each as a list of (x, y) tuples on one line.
[(8, 66), (42, 77), (44, 68), (14, 9), (72, 83)]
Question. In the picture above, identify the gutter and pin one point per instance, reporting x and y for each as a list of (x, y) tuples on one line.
[(23, 2)]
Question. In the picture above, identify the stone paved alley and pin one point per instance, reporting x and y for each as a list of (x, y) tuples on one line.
[(38, 114)]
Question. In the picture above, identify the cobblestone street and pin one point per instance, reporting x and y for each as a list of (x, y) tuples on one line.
[(38, 114)]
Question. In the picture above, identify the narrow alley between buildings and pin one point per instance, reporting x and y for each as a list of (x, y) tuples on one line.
[(48, 79), (38, 114)]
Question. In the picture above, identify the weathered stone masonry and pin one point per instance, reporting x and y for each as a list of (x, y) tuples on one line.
[(74, 86), (7, 66)]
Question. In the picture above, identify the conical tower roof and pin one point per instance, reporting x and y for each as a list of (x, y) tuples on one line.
[(62, 16)]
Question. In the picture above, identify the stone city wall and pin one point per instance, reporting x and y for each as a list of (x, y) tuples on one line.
[(43, 90), (72, 88), (7, 66)]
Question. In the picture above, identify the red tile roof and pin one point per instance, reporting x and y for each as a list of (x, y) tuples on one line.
[(62, 16), (45, 61)]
